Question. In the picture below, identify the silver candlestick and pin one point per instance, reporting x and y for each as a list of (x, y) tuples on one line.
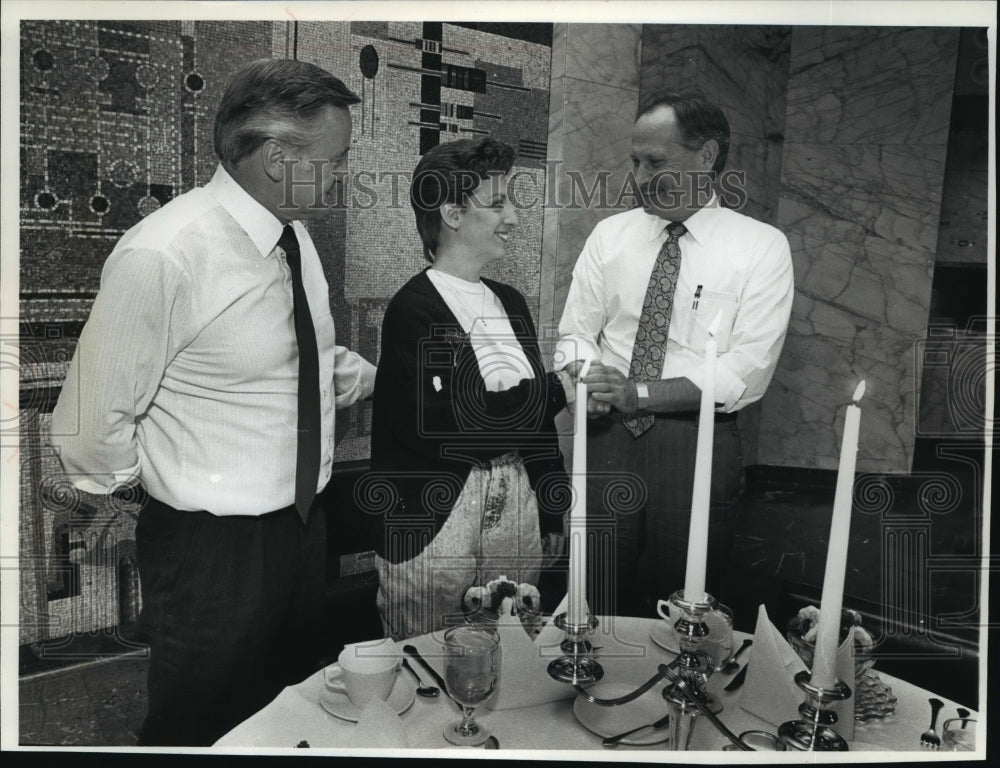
[(693, 664), (577, 665), (814, 732)]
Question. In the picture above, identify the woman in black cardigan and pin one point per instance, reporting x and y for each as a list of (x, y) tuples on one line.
[(467, 479)]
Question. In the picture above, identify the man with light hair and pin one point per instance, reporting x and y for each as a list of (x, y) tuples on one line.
[(208, 373)]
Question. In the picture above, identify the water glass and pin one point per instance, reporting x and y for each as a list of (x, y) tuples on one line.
[(959, 735), (471, 670)]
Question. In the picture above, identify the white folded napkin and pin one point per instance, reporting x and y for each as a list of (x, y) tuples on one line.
[(379, 726), (770, 691), (524, 679)]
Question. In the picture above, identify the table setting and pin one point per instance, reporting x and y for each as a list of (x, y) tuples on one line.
[(504, 677)]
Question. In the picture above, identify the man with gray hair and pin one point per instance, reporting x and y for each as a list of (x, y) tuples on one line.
[(208, 373)]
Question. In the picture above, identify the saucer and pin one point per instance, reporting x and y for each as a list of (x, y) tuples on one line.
[(339, 705), (663, 635), (609, 721)]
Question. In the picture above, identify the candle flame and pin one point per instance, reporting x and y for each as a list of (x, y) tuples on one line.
[(715, 323), (859, 392), (585, 368)]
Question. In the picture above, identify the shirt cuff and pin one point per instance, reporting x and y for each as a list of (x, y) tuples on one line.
[(114, 481), (362, 386), (729, 387), (572, 348)]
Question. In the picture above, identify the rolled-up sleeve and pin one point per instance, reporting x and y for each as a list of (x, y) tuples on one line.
[(353, 377), (744, 371)]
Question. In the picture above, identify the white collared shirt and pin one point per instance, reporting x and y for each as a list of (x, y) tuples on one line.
[(744, 269), (186, 372)]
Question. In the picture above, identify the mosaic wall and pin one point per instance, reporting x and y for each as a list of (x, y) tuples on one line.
[(116, 119)]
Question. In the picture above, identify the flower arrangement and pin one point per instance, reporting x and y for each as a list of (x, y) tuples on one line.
[(502, 597)]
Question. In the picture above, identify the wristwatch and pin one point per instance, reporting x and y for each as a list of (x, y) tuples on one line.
[(642, 396)]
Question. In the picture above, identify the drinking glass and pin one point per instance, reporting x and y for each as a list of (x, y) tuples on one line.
[(959, 734), (471, 669)]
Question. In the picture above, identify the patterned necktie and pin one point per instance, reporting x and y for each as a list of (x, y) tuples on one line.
[(307, 456), (654, 322)]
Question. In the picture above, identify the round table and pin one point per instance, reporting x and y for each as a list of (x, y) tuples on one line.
[(627, 654)]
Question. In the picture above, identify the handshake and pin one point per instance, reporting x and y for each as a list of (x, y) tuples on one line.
[(607, 389)]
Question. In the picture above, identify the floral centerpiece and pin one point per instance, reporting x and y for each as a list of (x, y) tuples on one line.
[(502, 597)]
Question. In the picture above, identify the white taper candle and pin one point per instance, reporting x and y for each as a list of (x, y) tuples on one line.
[(832, 599), (576, 606), (697, 550)]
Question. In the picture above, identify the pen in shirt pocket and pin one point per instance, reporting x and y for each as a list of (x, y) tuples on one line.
[(697, 296)]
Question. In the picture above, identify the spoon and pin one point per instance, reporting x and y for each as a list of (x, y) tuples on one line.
[(732, 665), (430, 691)]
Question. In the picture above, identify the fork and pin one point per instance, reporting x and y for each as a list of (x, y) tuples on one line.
[(612, 741), (929, 738)]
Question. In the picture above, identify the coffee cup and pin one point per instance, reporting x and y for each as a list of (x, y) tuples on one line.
[(365, 671), (718, 643)]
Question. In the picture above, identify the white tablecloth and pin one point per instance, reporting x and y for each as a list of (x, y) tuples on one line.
[(626, 653)]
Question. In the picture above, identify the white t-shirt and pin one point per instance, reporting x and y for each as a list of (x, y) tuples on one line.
[(502, 361)]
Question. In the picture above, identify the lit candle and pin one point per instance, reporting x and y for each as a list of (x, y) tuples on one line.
[(697, 552), (576, 606), (832, 600)]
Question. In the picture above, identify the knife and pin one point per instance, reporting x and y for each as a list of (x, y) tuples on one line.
[(737, 681)]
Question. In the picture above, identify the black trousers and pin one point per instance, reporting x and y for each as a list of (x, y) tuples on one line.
[(639, 511), (230, 609)]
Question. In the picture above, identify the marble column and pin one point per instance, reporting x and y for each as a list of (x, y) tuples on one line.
[(866, 132), (594, 94)]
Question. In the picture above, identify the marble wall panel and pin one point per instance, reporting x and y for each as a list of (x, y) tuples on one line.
[(604, 53), (871, 85), (866, 136)]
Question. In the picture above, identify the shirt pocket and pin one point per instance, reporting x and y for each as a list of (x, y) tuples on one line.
[(712, 304)]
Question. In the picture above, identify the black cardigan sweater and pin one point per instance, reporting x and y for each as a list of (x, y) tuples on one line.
[(433, 420)]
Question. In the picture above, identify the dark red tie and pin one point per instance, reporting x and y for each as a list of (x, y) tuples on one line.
[(309, 422)]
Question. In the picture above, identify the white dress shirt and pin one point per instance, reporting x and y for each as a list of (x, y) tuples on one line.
[(744, 269), (501, 358), (186, 371)]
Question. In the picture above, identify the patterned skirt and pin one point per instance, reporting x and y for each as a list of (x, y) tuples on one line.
[(492, 531)]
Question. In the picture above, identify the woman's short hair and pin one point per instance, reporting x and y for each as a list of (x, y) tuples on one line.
[(447, 173), (698, 119), (274, 99)]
